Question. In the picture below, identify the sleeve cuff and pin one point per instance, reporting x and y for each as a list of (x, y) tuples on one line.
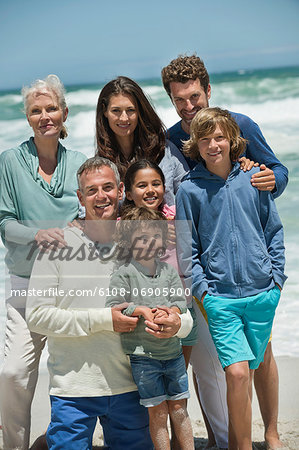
[(100, 320), (186, 325)]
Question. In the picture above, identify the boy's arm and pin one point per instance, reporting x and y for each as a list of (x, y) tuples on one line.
[(119, 293), (143, 311), (273, 231), (258, 150), (187, 218)]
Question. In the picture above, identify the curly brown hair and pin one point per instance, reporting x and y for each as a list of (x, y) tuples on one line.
[(205, 123), (133, 218), (149, 135), (183, 69)]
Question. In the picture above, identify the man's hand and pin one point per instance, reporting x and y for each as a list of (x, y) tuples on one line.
[(164, 327), (49, 239), (122, 323), (263, 180)]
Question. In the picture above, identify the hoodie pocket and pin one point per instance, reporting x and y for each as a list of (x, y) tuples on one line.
[(258, 263)]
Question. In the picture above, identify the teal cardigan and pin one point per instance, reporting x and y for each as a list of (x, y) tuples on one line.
[(28, 203)]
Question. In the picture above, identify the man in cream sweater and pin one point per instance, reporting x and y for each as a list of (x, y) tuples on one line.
[(90, 376)]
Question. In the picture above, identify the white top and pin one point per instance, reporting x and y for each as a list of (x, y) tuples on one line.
[(66, 302)]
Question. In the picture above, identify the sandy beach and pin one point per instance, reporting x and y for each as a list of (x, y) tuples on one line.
[(288, 410)]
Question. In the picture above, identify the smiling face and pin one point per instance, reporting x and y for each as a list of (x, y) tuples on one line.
[(100, 194), (147, 189), (189, 98), (215, 151), (45, 115), (122, 115)]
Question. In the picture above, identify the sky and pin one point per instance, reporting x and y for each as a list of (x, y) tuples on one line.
[(93, 41)]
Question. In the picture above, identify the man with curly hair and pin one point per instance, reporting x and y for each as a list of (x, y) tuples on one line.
[(186, 81)]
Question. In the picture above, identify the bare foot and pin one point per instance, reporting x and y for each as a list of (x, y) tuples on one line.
[(273, 443)]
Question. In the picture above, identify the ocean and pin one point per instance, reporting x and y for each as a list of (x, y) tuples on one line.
[(269, 97)]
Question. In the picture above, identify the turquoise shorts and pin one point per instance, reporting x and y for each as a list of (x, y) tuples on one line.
[(241, 327), (192, 338)]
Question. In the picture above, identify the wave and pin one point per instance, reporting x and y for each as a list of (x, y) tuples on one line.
[(255, 91)]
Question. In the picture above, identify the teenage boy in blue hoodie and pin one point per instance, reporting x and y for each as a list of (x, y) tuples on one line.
[(237, 256), (186, 81)]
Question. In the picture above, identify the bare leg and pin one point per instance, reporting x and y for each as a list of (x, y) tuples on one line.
[(187, 349), (266, 386), (239, 404), (181, 423), (158, 426)]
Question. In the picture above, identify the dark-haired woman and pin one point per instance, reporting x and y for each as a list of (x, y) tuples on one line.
[(128, 129)]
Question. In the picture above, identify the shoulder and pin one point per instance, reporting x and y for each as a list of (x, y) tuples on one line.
[(170, 149), (12, 153), (167, 268), (244, 122), (174, 130), (125, 271), (75, 156), (74, 236)]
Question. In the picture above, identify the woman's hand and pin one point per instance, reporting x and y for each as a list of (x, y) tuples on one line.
[(77, 223), (50, 239), (171, 238)]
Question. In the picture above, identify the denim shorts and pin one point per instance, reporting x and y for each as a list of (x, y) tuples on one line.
[(192, 338), (241, 327), (159, 380)]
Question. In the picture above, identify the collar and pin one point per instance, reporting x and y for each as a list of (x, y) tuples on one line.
[(145, 270)]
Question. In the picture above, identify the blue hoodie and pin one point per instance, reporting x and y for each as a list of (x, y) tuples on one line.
[(237, 235)]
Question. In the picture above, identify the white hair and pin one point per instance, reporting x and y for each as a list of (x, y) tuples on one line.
[(50, 84)]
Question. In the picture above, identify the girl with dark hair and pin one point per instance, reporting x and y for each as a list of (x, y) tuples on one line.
[(128, 129), (144, 187)]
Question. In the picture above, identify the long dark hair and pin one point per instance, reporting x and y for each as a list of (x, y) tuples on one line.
[(149, 135), (131, 174)]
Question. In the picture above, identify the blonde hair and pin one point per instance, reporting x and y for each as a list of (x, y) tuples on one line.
[(50, 84), (205, 123)]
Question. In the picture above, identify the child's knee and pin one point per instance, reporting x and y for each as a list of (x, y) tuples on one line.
[(177, 408), (159, 412)]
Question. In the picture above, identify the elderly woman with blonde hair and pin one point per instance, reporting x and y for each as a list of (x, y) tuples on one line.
[(37, 198)]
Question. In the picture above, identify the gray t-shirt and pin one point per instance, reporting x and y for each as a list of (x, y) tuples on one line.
[(132, 283)]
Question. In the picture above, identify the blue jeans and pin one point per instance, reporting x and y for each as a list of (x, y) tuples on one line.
[(159, 380), (124, 421)]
